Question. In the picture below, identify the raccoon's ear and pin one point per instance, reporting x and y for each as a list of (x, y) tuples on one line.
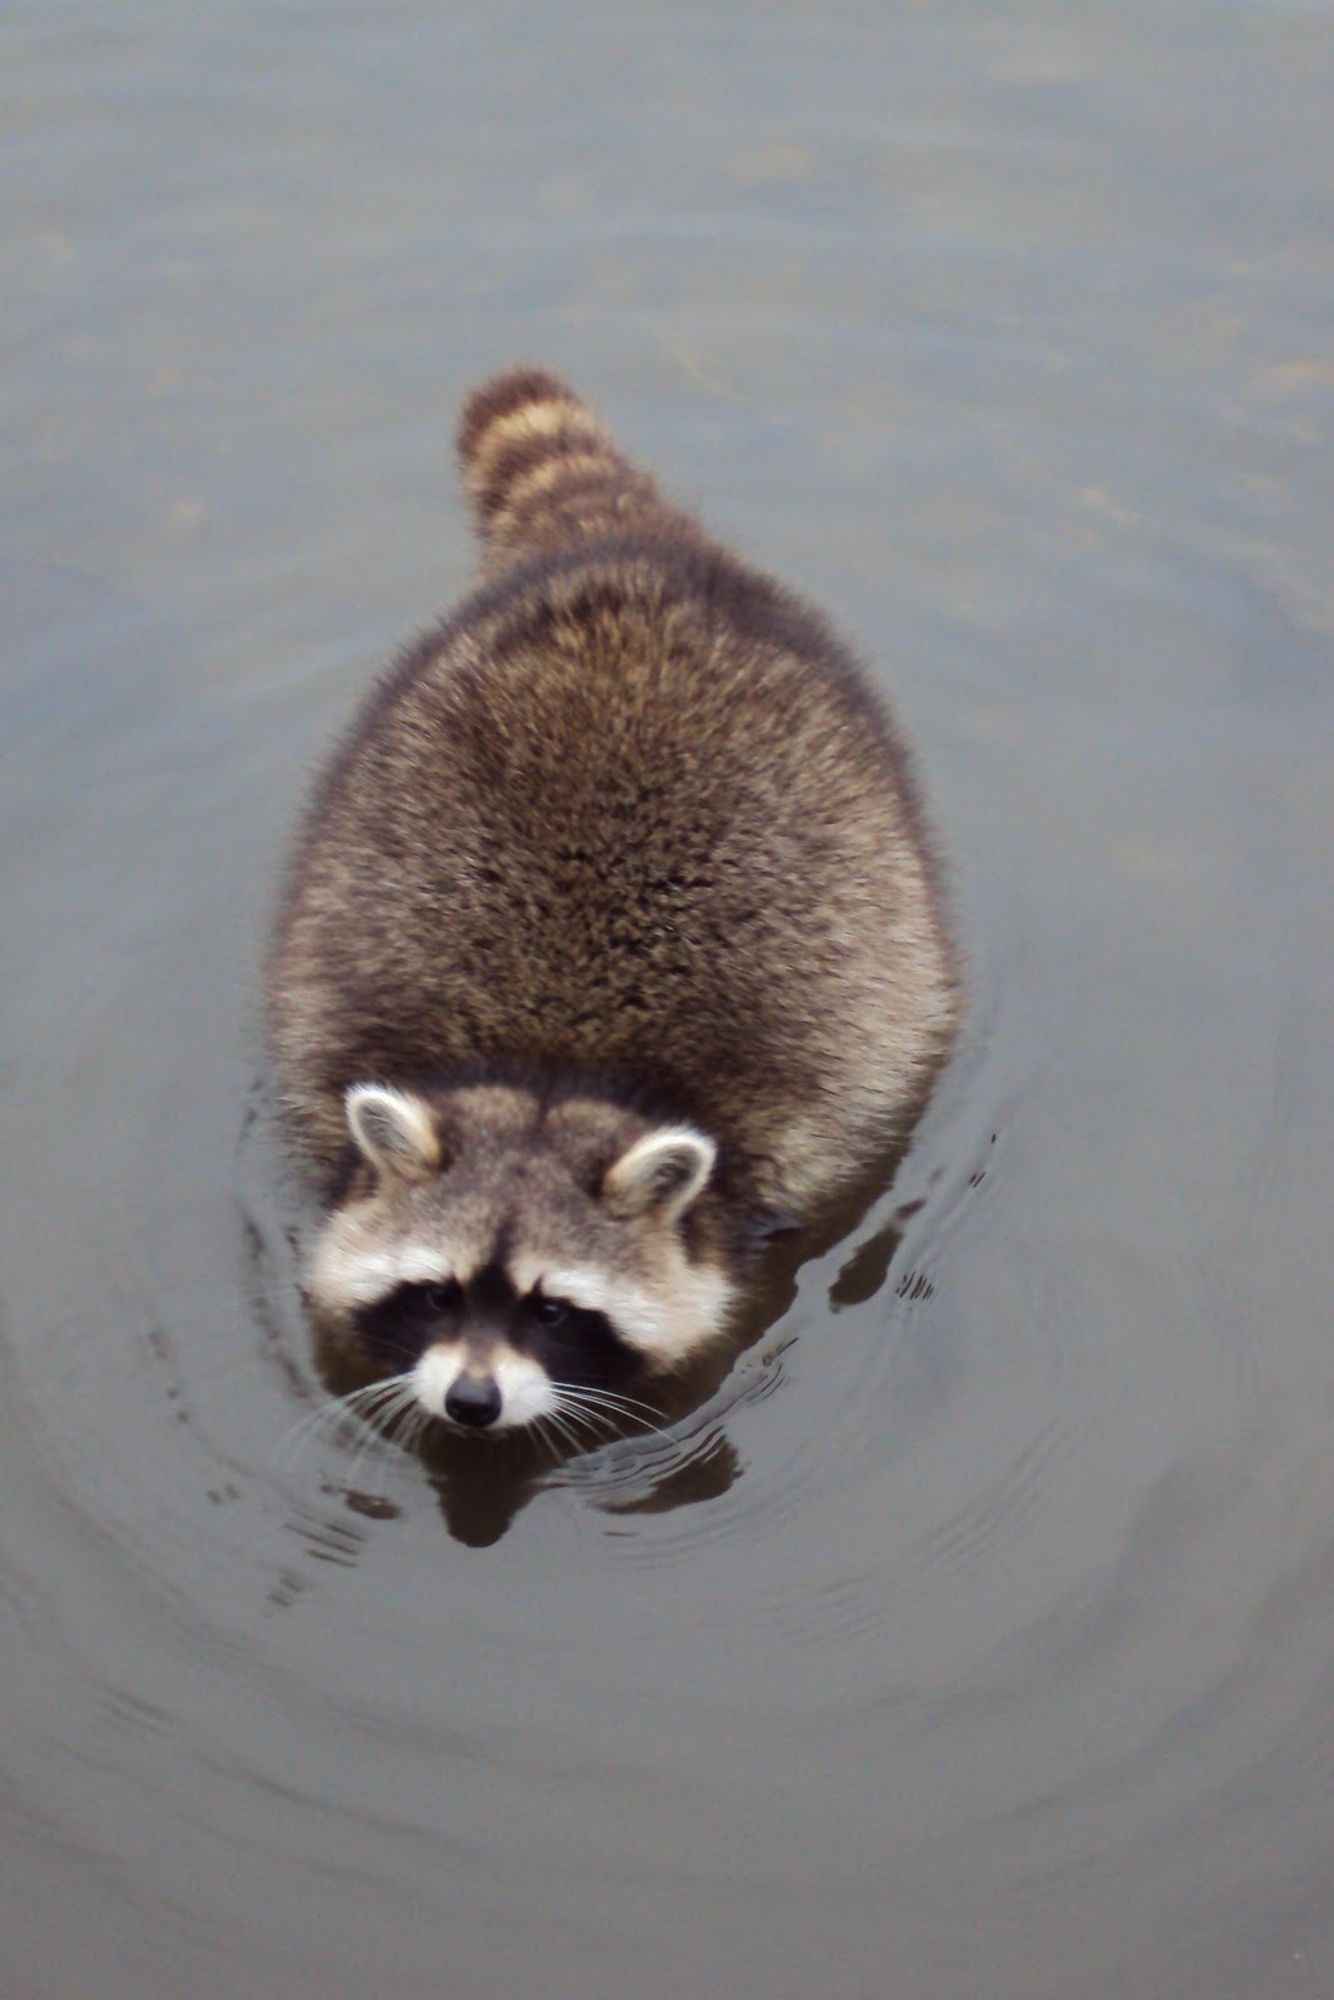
[(393, 1130), (660, 1175)]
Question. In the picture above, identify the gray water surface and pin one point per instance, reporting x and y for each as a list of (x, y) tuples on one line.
[(977, 1641)]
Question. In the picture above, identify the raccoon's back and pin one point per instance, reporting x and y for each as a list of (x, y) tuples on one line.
[(632, 812)]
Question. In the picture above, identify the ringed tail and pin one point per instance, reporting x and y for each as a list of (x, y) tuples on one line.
[(541, 470)]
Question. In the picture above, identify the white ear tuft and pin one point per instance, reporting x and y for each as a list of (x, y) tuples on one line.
[(660, 1175), (393, 1130)]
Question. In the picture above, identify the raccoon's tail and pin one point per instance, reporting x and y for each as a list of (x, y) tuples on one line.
[(541, 470)]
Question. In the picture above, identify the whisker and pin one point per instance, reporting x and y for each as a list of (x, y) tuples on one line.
[(612, 1406), (299, 1434), (375, 1392), (381, 1408), (577, 1414), (408, 1424), (562, 1430), (374, 1443), (550, 1433), (330, 1416), (627, 1427), (400, 1429), (418, 1428), (362, 1410), (371, 1444), (583, 1401), (542, 1432), (613, 1398)]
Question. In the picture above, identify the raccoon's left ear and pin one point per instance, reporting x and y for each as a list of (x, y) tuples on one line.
[(660, 1175), (393, 1130)]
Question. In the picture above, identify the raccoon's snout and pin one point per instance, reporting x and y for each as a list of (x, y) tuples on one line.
[(473, 1402)]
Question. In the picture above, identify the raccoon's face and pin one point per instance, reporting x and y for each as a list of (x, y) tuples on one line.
[(511, 1260)]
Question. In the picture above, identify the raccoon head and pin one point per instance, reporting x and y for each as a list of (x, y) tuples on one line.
[(512, 1257)]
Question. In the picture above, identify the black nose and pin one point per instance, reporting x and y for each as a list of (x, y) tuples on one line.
[(471, 1402)]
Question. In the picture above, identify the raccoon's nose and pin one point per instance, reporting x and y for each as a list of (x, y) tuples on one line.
[(473, 1402)]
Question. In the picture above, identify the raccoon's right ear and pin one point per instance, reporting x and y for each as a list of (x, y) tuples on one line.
[(393, 1130)]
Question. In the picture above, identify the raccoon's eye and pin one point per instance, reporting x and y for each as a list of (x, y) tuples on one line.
[(442, 1297), (549, 1312)]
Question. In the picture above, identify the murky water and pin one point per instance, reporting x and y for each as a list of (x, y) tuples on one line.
[(977, 1641)]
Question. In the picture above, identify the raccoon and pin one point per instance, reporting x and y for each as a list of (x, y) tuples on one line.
[(612, 943)]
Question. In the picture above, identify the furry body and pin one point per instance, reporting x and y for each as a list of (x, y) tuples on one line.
[(629, 832)]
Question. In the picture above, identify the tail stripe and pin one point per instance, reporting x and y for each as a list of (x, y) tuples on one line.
[(506, 466), (552, 472), (533, 469), (586, 501), (540, 467), (521, 408), (555, 424), (503, 396)]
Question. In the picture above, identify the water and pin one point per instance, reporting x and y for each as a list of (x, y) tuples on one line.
[(977, 1642)]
